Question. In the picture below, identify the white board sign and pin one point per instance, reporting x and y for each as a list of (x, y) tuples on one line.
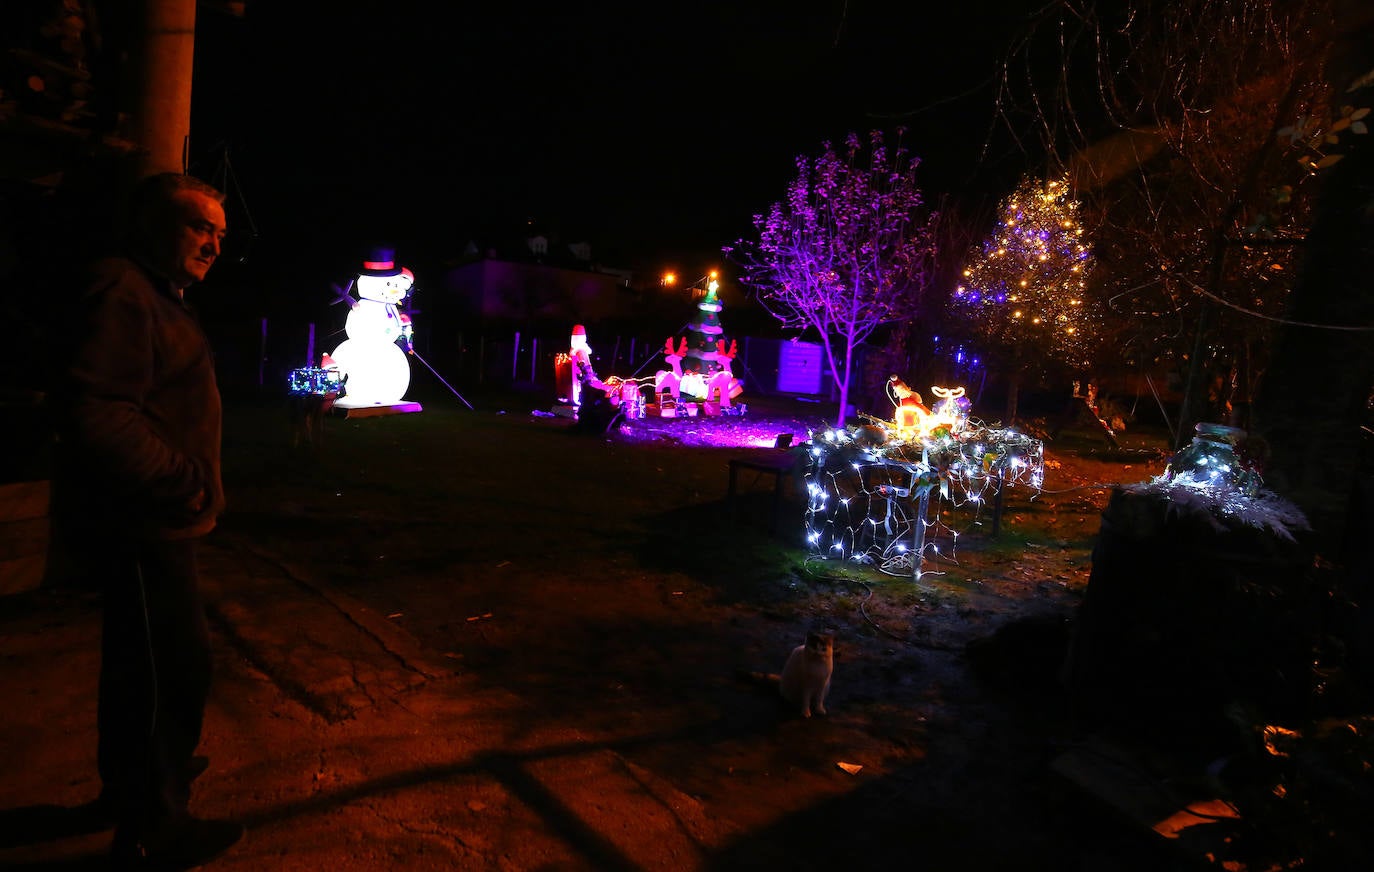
[(799, 368)]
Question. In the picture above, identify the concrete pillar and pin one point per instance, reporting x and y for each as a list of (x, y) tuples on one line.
[(161, 122)]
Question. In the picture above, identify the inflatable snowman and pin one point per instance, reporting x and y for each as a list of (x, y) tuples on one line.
[(373, 357)]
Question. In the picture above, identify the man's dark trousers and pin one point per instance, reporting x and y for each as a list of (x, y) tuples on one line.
[(154, 680)]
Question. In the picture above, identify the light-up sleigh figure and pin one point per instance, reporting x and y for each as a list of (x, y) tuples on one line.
[(951, 409), (914, 421), (911, 412)]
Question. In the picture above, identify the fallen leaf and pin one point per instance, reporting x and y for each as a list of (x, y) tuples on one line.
[(851, 768)]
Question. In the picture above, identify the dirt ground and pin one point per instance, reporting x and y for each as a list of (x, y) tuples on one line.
[(609, 582)]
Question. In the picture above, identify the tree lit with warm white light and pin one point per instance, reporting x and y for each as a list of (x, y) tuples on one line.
[(1025, 292)]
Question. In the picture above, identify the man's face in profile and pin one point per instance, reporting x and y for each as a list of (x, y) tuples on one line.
[(197, 229)]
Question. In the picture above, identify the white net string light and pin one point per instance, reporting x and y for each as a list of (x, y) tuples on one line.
[(868, 488)]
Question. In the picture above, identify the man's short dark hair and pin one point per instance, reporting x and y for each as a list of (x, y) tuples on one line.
[(151, 201), (154, 193)]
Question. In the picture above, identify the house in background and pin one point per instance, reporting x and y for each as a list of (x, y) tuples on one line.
[(507, 304), (535, 281), (505, 307)]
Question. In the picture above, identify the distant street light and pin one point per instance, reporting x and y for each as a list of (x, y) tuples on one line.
[(705, 284)]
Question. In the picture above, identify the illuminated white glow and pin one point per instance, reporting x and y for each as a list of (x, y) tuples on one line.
[(378, 372), (693, 385), (373, 323), (385, 289)]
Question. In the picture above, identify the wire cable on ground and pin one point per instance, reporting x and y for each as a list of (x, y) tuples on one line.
[(863, 610)]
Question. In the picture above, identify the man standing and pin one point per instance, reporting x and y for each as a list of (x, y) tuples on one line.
[(137, 484)]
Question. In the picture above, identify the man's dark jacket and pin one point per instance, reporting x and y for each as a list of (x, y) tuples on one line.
[(138, 413)]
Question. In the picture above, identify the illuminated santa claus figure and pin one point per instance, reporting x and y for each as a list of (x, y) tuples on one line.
[(373, 358), (581, 358)]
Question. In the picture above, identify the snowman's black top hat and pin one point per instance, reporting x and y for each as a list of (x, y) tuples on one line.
[(380, 260)]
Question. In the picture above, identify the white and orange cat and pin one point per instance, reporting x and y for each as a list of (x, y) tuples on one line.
[(805, 678)]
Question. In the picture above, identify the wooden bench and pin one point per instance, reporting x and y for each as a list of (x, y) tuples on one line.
[(778, 464)]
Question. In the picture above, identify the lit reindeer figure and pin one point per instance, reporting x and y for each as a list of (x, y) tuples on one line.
[(670, 381), (723, 382)]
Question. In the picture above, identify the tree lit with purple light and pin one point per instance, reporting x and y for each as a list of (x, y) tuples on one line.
[(847, 250)]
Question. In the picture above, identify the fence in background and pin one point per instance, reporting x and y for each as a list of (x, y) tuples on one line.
[(258, 356)]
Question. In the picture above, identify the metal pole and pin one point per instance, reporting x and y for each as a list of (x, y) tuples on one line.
[(534, 360), (310, 345), (997, 506), (439, 377), (918, 537), (515, 357)]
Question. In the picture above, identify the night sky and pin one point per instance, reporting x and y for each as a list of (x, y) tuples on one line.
[(654, 133)]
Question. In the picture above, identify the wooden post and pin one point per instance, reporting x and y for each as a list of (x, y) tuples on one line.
[(262, 351)]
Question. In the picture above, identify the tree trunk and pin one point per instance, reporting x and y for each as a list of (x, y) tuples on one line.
[(1312, 400), (1244, 395), (841, 417), (1194, 391), (1013, 394)]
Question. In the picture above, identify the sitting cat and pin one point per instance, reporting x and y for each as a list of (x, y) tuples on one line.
[(805, 678)]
